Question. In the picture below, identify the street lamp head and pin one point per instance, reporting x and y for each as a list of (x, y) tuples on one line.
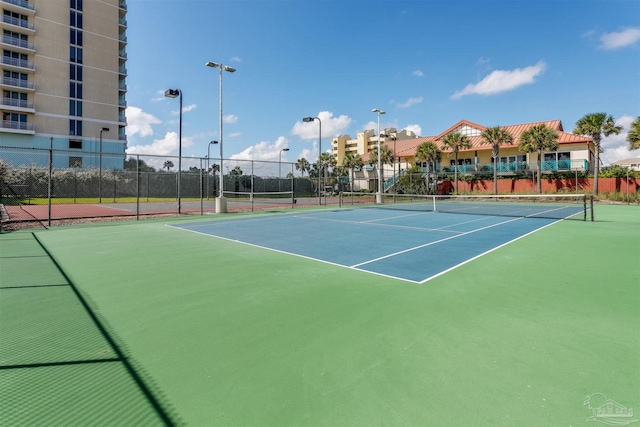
[(229, 69), (212, 64), (213, 142), (377, 110), (172, 93), (285, 149), (307, 119), (104, 130)]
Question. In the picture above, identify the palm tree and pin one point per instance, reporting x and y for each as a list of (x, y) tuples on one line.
[(303, 165), (326, 161), (633, 137), (496, 136), (168, 164), (352, 160), (386, 158), (538, 138), (455, 141), (430, 153), (594, 125)]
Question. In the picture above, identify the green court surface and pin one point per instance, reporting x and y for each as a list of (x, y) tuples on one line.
[(138, 324)]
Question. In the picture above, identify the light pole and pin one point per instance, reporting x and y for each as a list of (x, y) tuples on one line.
[(221, 202), (100, 173), (208, 164), (174, 93), (308, 120), (280, 165), (379, 193)]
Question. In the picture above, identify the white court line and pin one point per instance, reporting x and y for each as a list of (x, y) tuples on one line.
[(484, 253), (288, 253), (435, 242)]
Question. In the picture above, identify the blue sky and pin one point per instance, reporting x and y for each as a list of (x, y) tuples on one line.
[(428, 64)]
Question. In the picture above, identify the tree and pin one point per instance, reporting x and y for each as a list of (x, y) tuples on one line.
[(430, 153), (168, 164), (455, 141), (386, 158), (237, 171), (633, 137), (132, 164), (326, 161), (496, 136), (352, 160), (538, 139), (303, 165), (594, 125)]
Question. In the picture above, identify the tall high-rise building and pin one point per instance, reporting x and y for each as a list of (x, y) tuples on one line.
[(63, 78)]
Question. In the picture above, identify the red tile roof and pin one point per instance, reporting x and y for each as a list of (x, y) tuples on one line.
[(408, 147)]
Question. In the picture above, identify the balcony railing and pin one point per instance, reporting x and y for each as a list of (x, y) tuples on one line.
[(10, 81), (122, 53), (15, 62), (122, 86), (123, 22), (123, 5), (122, 37), (19, 103), (17, 22), (21, 3), (9, 124), (516, 167), (122, 69), (14, 41)]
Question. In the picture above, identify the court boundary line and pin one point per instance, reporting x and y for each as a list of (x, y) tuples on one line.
[(356, 267), (433, 243), (290, 253), (489, 251)]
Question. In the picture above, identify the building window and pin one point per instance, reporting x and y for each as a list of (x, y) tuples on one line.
[(75, 19), (75, 90), (76, 4), (75, 37), (75, 72), (14, 120), (75, 54), (75, 144), (16, 19), (75, 107), (75, 162), (75, 127)]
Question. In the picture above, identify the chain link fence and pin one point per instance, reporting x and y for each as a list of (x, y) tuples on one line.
[(46, 184)]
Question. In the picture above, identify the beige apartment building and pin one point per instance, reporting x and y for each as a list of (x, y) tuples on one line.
[(63, 80)]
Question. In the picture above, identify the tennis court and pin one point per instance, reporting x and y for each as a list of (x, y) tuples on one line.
[(277, 319)]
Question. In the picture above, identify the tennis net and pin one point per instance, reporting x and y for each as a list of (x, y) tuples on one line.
[(260, 201), (554, 206)]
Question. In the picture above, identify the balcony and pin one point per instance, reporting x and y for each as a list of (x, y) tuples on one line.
[(506, 168), (17, 63), (122, 86), (21, 3), (122, 70), (17, 127), (122, 37), (17, 104), (16, 42), (122, 54), (21, 23), (123, 5), (10, 81), (122, 22)]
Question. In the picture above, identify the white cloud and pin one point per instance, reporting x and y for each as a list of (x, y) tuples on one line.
[(235, 134), (230, 118), (409, 102), (161, 147), (503, 80), (331, 126), (616, 147), (236, 59), (264, 150), (418, 73), (185, 109), (167, 146), (414, 128), (139, 122), (160, 97), (617, 40)]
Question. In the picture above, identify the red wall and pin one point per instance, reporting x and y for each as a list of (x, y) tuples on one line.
[(506, 186)]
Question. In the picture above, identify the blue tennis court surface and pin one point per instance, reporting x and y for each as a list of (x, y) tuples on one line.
[(411, 246)]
